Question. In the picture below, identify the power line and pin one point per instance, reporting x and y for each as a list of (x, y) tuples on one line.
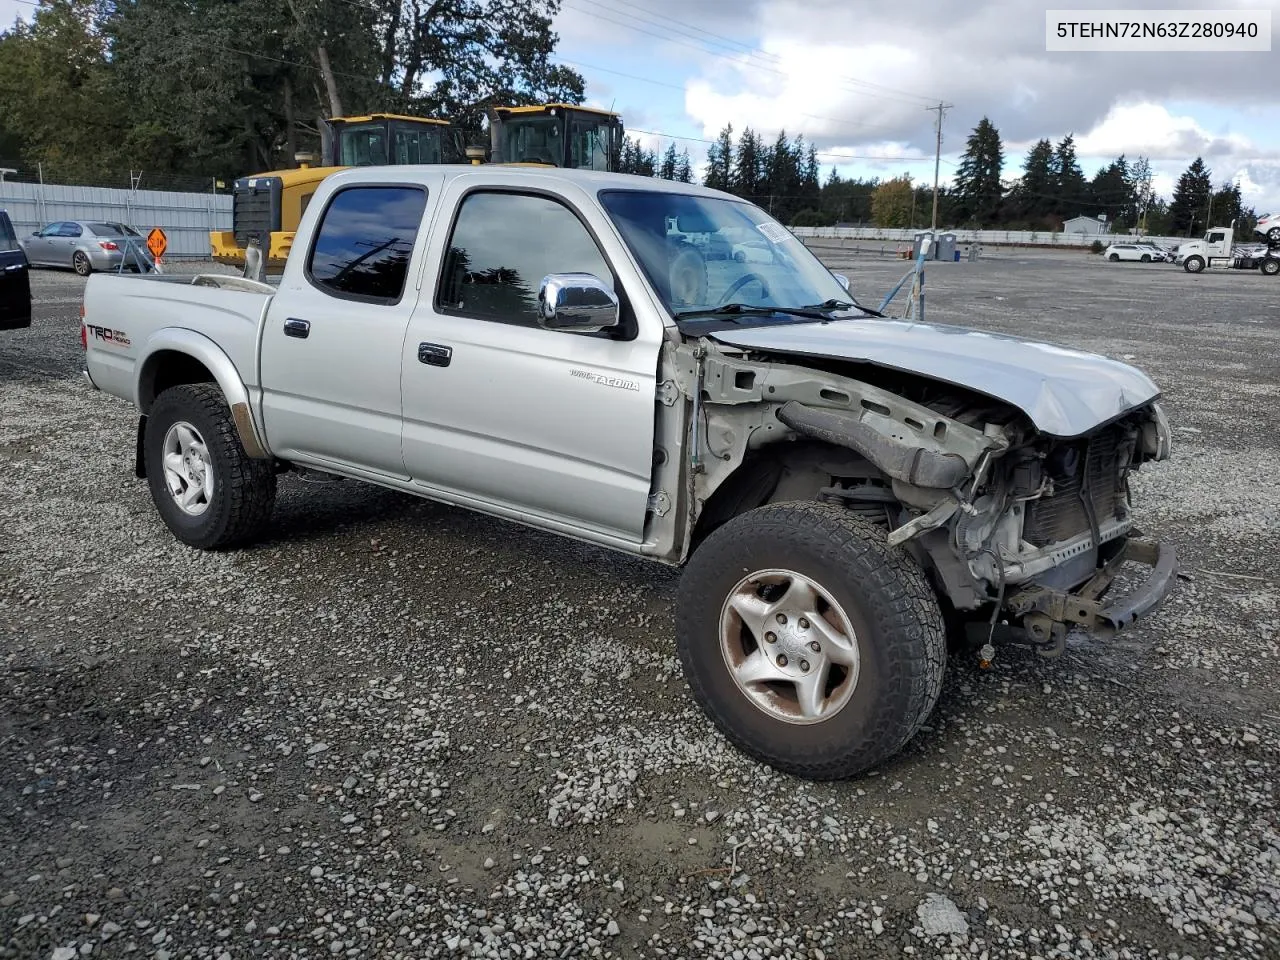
[(724, 56), (755, 52)]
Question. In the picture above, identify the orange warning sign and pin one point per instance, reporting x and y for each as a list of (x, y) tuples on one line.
[(157, 243)]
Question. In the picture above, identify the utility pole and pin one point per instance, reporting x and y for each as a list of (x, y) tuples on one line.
[(941, 108)]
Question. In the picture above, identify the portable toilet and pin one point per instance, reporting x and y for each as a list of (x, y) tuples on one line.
[(919, 241), (946, 247)]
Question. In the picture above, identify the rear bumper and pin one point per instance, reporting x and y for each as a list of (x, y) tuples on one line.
[(1047, 614)]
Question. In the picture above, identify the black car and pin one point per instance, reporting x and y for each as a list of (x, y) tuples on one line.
[(15, 283)]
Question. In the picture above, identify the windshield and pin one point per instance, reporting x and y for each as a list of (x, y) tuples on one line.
[(533, 140), (592, 143), (701, 253)]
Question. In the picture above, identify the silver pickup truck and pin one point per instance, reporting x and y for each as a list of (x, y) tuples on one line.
[(574, 351)]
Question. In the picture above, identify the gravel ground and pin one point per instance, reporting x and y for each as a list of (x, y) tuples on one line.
[(396, 729)]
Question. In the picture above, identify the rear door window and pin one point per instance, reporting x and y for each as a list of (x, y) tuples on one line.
[(364, 241)]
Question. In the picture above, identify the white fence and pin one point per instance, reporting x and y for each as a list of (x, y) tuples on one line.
[(186, 218), (995, 237)]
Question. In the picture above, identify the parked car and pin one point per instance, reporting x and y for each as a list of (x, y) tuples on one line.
[(1269, 226), (515, 342), (1158, 253), (1130, 251), (88, 245), (15, 281)]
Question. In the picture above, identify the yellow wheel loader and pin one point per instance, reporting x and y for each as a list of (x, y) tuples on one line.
[(266, 207)]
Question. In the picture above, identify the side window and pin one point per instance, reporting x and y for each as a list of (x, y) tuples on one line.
[(363, 244), (1217, 237), (53, 230), (71, 230), (503, 244)]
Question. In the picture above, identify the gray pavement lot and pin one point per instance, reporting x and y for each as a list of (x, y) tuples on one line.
[(395, 729)]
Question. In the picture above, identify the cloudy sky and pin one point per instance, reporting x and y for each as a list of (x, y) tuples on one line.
[(856, 77)]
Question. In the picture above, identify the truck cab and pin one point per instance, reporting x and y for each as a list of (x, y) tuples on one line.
[(1218, 250)]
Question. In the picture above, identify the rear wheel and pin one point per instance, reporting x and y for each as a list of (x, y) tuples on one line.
[(812, 645), (1274, 234), (1193, 264), (1270, 266), (81, 264), (209, 492), (1146, 258)]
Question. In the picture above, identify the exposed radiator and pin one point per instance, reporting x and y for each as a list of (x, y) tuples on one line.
[(1062, 515)]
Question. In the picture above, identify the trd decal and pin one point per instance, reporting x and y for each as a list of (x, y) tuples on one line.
[(118, 337)]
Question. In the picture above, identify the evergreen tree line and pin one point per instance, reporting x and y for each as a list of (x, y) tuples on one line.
[(784, 177)]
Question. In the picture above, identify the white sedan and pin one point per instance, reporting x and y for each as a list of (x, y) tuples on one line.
[(1130, 251), (1269, 226)]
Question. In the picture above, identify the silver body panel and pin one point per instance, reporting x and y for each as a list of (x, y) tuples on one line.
[(1064, 392)]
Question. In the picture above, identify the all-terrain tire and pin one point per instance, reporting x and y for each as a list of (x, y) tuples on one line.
[(889, 604), (244, 489)]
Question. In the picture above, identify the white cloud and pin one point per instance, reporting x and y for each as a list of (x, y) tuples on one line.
[(1150, 129)]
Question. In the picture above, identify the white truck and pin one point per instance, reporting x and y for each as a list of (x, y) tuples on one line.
[(1219, 251), (566, 349)]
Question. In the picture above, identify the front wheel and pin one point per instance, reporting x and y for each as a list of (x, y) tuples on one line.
[(1114, 257), (1274, 234), (81, 264), (811, 644), (1146, 258), (209, 492), (1193, 264)]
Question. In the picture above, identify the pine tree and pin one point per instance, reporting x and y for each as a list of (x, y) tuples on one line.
[(668, 169), (977, 182), (1228, 205), (810, 182), (745, 178), (1033, 196), (1190, 206), (720, 160), (1110, 192), (1071, 187), (684, 169)]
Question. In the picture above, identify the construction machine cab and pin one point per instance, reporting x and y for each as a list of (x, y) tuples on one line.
[(267, 207), (387, 138), (556, 134)]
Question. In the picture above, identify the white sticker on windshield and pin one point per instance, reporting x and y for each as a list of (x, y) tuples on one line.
[(774, 232)]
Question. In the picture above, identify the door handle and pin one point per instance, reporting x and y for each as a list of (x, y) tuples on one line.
[(434, 354), (293, 327)]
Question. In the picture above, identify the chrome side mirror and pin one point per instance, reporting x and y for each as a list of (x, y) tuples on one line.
[(842, 280), (576, 303)]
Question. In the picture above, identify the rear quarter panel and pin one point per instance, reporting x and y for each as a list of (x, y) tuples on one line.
[(125, 317)]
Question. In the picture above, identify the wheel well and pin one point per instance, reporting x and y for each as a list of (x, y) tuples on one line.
[(791, 471), (169, 368)]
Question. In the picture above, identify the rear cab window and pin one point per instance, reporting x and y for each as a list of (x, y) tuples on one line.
[(364, 241)]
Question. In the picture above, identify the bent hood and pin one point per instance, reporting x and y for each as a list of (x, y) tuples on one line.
[(1064, 392)]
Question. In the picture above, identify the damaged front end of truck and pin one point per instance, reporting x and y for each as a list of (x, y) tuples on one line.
[(1013, 495)]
